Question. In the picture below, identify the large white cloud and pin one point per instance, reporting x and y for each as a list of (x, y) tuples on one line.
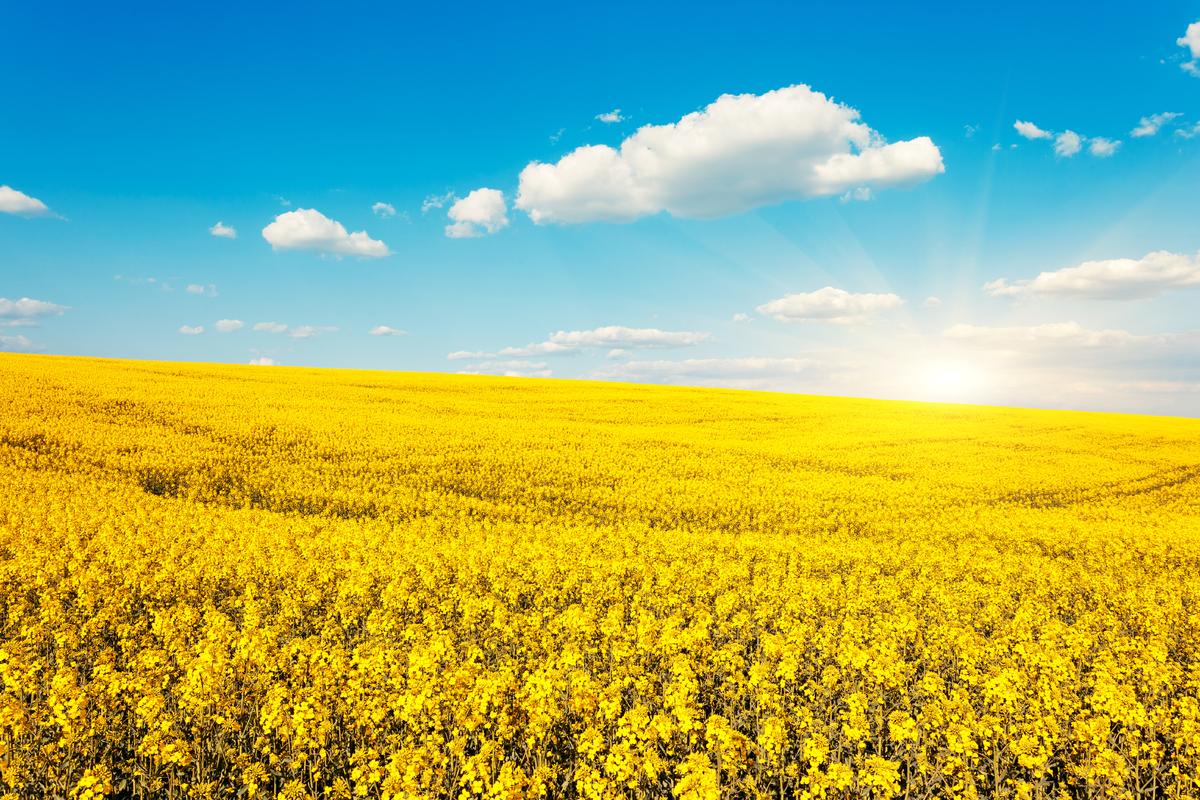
[(484, 207), (1103, 148), (741, 152), (1191, 40), (832, 305), (1115, 279), (25, 307), (572, 342), (20, 204), (309, 229)]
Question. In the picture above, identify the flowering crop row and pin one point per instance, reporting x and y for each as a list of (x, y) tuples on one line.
[(236, 582)]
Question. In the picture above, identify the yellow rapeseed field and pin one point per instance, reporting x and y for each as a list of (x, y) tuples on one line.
[(250, 582)]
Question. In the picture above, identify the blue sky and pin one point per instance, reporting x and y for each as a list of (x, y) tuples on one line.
[(839, 169)]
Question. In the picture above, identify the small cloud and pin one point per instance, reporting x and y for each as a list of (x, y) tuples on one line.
[(1150, 125), (484, 207), (384, 210), (931, 302), (512, 369), (20, 204), (971, 129), (384, 330), (12, 343), (192, 331), (309, 331), (198, 288), (264, 362), (611, 117), (223, 230), (1031, 131), (116, 277), (618, 353), (835, 306), (862, 193), (282, 202), (1191, 40), (461, 354), (21, 323), (997, 146), (1068, 143), (436, 201), (743, 318), (270, 327), (228, 325), (25, 307), (554, 139), (309, 229), (1103, 148)]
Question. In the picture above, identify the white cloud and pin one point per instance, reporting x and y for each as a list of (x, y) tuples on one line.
[(436, 201), (484, 207), (554, 139), (743, 318), (20, 204), (264, 362), (309, 331), (611, 116), (223, 230), (19, 343), (228, 325), (1031, 131), (384, 330), (282, 202), (862, 193), (1115, 279), (26, 307), (931, 302), (460, 354), (1068, 143), (832, 305), (1150, 125), (512, 369), (384, 210), (997, 146), (1103, 148), (971, 129), (270, 327), (736, 372), (1191, 40), (20, 323), (1102, 347), (309, 229), (192, 331), (740, 152), (542, 349), (571, 342), (618, 353)]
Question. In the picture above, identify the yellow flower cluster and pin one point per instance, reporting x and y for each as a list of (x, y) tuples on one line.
[(244, 582)]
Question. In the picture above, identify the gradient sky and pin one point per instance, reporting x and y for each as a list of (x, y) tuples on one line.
[(131, 131)]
